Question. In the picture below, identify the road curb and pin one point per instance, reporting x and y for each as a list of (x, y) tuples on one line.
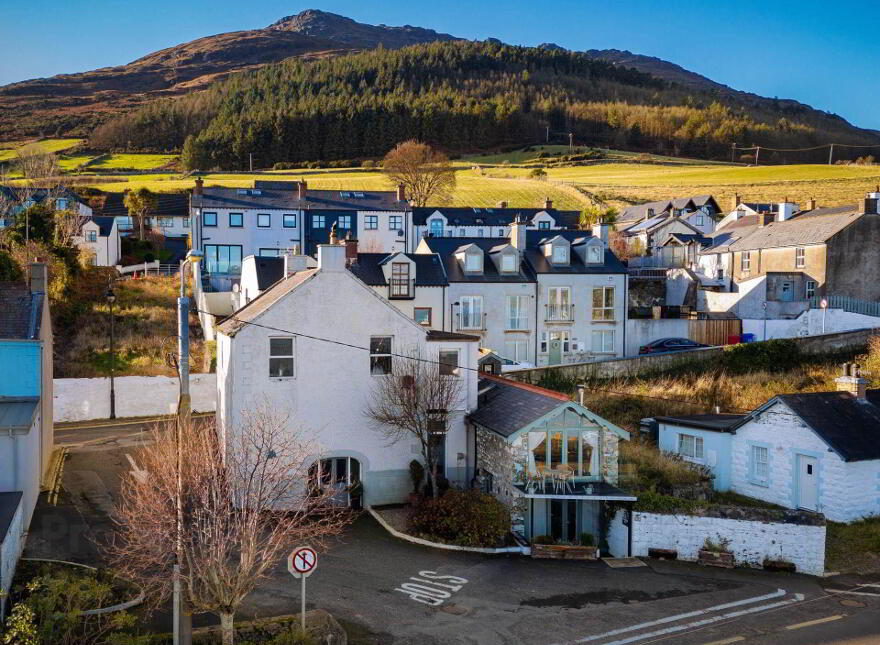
[(124, 421), (521, 550)]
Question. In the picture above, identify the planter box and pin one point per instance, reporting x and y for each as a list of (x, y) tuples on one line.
[(564, 552), (716, 559), (779, 565), (663, 554)]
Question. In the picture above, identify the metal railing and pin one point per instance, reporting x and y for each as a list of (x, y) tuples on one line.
[(852, 305), (474, 322), (558, 313), (401, 288)]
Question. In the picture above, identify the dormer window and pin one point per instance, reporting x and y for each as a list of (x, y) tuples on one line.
[(473, 262), (560, 254), (508, 263), (437, 227), (594, 254)]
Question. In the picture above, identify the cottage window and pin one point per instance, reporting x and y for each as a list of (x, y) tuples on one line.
[(61, 204), (810, 289), (800, 257), (343, 221), (471, 312), (400, 281), (280, 357), (603, 341), (760, 464), (690, 446), (462, 232), (371, 222), (479, 232), (185, 222), (500, 232), (572, 449), (208, 219), (395, 222), (508, 263), (746, 262), (91, 236), (166, 222), (223, 258), (318, 221), (236, 220), (449, 363), (436, 227), (603, 303), (517, 312), (422, 315), (380, 355), (289, 221), (698, 220), (544, 225)]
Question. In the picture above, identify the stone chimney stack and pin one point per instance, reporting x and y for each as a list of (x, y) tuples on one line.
[(868, 205), (351, 249), (811, 204), (518, 233), (502, 204), (294, 262), (548, 203), (735, 201), (851, 381), (39, 277), (301, 189), (331, 257), (785, 209), (600, 231), (200, 183), (401, 193)]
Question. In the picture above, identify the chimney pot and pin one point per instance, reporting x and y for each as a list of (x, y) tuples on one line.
[(39, 277), (401, 193), (301, 189), (199, 185), (351, 248), (548, 203), (502, 204), (811, 204)]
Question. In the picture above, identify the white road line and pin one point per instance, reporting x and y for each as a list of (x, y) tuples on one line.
[(873, 594), (727, 641), (818, 621), (691, 614), (707, 621)]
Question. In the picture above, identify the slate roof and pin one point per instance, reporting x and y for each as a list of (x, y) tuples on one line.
[(468, 215), (508, 406), (280, 195), (167, 205), (20, 312), (9, 503), (813, 228), (429, 269), (686, 238), (539, 263), (230, 326), (269, 270), (645, 225), (437, 335), (639, 211), (18, 413), (849, 426), (446, 248), (105, 224), (716, 422)]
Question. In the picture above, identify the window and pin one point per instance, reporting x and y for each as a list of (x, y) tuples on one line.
[(508, 263), (698, 220), (462, 232), (603, 341), (595, 253), (289, 221), (166, 222), (479, 232), (223, 258), (471, 312), (236, 220), (544, 225), (395, 222), (208, 219), (690, 446), (185, 222), (343, 221), (559, 304), (449, 362), (400, 280), (561, 336), (500, 232), (811, 289), (270, 253), (61, 204), (436, 227), (760, 465), (570, 448), (91, 236), (280, 357), (517, 312), (603, 303), (371, 222), (380, 355), (799, 257), (318, 221), (746, 262), (264, 220), (560, 254), (473, 262), (516, 350), (422, 315)]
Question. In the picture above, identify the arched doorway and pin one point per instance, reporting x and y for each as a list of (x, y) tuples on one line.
[(344, 475)]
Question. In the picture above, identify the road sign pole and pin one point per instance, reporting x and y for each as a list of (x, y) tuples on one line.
[(303, 613)]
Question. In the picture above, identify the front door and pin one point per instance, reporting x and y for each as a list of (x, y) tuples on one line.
[(787, 292), (808, 483), (563, 520), (555, 352)]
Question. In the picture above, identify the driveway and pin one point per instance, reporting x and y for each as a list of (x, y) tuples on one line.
[(406, 593)]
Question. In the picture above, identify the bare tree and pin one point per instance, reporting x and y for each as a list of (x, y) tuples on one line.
[(424, 172), (414, 402), (37, 164), (246, 499), (140, 203)]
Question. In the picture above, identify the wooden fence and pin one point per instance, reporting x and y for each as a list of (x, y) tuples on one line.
[(714, 332)]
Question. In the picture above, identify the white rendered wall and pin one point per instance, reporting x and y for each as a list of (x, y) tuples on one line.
[(10, 550), (641, 331), (810, 323)]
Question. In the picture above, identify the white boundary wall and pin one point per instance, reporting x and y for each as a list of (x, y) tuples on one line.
[(84, 399), (750, 541), (809, 323)]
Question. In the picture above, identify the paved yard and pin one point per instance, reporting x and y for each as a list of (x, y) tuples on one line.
[(405, 593)]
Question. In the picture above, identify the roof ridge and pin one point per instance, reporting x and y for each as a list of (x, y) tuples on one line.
[(535, 389)]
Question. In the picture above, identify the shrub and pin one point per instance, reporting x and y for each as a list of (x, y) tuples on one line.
[(538, 173), (416, 474), (651, 502), (775, 355), (587, 539), (465, 518), (722, 545)]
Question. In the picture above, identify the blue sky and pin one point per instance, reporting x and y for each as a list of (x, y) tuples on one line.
[(821, 53)]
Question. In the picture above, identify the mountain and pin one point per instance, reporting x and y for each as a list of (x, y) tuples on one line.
[(75, 103)]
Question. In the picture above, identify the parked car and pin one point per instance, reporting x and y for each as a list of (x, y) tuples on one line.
[(669, 345)]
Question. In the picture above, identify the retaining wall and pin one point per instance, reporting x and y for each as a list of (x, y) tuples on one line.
[(751, 541), (84, 399)]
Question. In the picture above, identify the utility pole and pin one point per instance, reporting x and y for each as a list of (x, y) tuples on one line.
[(548, 134), (830, 154), (757, 152), (570, 142), (111, 298), (733, 152), (251, 157)]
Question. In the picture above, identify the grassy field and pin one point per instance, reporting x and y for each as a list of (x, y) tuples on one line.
[(530, 156), (132, 162), (9, 150)]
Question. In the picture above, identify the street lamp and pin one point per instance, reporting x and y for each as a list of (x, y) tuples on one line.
[(110, 297)]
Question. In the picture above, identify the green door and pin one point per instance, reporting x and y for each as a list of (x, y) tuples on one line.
[(555, 352)]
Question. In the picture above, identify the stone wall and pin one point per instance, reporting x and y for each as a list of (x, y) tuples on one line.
[(751, 540)]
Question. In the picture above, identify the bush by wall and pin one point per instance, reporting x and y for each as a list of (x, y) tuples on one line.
[(464, 518), (773, 356)]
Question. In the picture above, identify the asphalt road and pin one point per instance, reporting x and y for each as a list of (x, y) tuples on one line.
[(404, 593)]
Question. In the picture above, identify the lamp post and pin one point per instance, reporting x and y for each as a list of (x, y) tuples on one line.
[(110, 297)]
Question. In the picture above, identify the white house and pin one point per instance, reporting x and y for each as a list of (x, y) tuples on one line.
[(817, 451), (15, 199), (99, 238), (331, 337), (700, 212)]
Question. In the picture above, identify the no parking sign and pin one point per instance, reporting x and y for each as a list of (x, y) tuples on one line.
[(301, 564)]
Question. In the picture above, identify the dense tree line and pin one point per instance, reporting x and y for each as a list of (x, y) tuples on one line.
[(457, 96)]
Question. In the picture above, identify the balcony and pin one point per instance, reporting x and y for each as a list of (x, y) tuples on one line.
[(470, 322), (401, 289), (558, 313)]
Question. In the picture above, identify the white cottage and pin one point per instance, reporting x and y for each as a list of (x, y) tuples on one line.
[(312, 345), (99, 239)]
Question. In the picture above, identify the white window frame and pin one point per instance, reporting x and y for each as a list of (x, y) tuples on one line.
[(559, 254), (544, 225), (470, 312), (516, 350), (559, 307), (395, 222), (318, 221), (800, 257), (435, 227), (599, 252), (697, 449), (698, 220), (517, 316), (371, 222), (283, 356), (605, 313), (565, 337), (260, 217), (91, 236), (473, 262), (343, 221), (746, 262), (759, 468), (602, 341), (508, 263)]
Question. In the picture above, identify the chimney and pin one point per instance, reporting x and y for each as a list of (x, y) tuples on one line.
[(548, 203), (764, 219), (502, 204), (649, 214), (39, 277), (786, 209), (331, 257), (811, 204), (518, 233), (401, 193), (868, 205), (199, 185), (600, 230), (735, 201), (301, 189), (851, 381), (294, 263), (351, 249), (334, 236)]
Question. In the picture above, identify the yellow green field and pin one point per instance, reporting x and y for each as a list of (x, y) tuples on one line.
[(9, 150)]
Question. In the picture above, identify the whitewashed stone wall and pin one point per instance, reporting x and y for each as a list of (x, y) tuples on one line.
[(751, 542), (84, 399)]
